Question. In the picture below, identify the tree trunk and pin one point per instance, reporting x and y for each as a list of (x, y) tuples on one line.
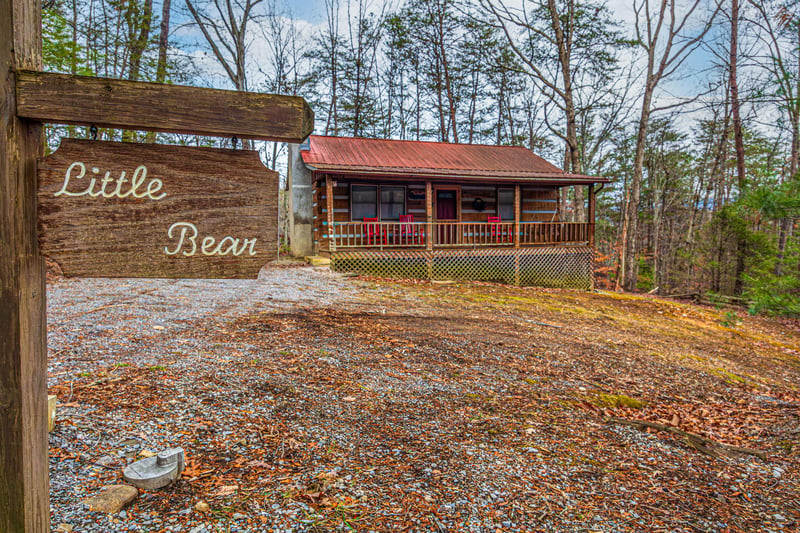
[(630, 272), (738, 142), (564, 43), (163, 42), (138, 43)]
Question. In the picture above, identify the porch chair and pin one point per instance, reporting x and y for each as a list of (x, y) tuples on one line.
[(496, 229), (373, 232), (408, 232)]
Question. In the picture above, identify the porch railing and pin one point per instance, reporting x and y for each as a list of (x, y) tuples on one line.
[(456, 234)]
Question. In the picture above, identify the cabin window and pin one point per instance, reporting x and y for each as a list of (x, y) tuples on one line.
[(505, 204), (364, 202), (393, 202), (371, 201)]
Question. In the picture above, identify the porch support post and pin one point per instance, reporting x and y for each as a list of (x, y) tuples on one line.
[(517, 213), (429, 215), (429, 228), (329, 203), (590, 215)]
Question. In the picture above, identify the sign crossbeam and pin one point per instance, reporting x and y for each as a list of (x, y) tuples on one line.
[(110, 103)]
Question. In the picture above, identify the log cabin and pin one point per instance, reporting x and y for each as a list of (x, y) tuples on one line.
[(415, 209)]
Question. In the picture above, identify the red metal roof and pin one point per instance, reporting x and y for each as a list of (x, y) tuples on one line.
[(350, 155)]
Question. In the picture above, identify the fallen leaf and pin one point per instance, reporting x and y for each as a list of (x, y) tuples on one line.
[(226, 490)]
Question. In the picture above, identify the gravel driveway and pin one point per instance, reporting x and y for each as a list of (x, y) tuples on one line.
[(307, 401)]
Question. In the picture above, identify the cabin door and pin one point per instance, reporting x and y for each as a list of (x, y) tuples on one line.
[(446, 207)]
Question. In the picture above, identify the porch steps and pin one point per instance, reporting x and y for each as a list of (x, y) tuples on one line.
[(318, 261)]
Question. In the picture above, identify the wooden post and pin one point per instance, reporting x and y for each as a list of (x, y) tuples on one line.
[(517, 214), (429, 227), (590, 215), (24, 491), (329, 204), (517, 217), (429, 215)]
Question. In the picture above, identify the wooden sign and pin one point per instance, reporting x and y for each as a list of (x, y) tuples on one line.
[(110, 209)]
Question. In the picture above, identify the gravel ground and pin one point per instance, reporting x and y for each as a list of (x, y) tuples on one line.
[(307, 401), (99, 327)]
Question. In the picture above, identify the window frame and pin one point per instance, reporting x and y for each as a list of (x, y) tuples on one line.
[(378, 203)]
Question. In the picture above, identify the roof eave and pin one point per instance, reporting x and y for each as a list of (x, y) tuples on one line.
[(543, 178)]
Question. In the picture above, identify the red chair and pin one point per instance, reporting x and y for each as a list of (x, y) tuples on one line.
[(496, 229), (372, 229), (408, 232)]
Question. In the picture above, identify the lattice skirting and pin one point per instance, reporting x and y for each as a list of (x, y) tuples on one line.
[(559, 266)]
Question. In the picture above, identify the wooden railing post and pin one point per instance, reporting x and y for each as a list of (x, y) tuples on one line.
[(429, 226), (24, 492), (517, 213), (590, 215), (329, 204), (429, 215)]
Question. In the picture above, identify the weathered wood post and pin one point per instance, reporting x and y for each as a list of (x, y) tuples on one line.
[(429, 227), (24, 491), (517, 214), (331, 219), (517, 217), (590, 215)]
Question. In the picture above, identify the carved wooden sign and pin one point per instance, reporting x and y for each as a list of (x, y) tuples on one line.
[(110, 209)]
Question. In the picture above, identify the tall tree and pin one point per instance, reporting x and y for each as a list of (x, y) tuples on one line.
[(223, 24), (737, 134), (361, 111), (281, 68), (566, 47), (163, 41), (436, 27), (322, 82), (660, 35), (139, 19), (779, 23)]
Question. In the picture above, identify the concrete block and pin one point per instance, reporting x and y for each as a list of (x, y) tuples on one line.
[(318, 261), (111, 499)]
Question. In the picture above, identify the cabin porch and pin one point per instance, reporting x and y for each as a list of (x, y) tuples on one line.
[(399, 214)]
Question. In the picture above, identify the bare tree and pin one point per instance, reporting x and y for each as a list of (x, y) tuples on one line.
[(661, 34), (566, 47), (224, 27), (285, 51)]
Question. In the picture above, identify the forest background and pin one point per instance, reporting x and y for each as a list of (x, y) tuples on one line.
[(690, 107)]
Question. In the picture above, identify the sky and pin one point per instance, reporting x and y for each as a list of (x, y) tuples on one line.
[(309, 10), (313, 10), (310, 15)]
